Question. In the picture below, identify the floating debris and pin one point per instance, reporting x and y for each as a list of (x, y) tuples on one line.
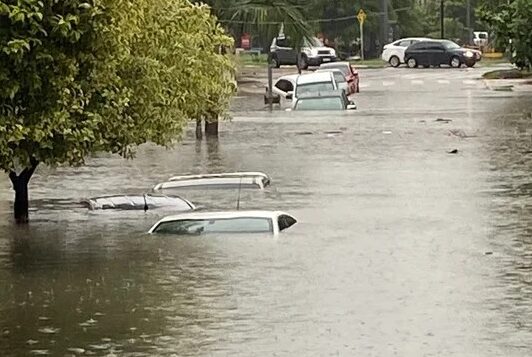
[(386, 132), (454, 151), (40, 352), (31, 342), (76, 350), (443, 120), (488, 253), (49, 330)]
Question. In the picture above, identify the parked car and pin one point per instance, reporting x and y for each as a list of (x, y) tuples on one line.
[(327, 100), (394, 53), (313, 83), (480, 38), (138, 202), (284, 86), (438, 52), (350, 73), (198, 223), (339, 77), (313, 53), (231, 180)]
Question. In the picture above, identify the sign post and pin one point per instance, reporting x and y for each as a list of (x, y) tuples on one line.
[(361, 16)]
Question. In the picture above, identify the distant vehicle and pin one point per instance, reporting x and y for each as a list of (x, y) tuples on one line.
[(231, 180), (313, 53), (327, 100), (350, 73), (438, 52), (394, 53), (284, 86), (339, 77), (313, 83), (231, 222), (480, 38), (138, 202)]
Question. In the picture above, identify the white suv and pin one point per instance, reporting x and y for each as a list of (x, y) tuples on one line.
[(394, 53)]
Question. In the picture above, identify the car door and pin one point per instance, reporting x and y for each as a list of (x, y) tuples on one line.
[(437, 54)]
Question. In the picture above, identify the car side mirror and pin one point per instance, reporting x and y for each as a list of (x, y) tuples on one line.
[(352, 106), (289, 95)]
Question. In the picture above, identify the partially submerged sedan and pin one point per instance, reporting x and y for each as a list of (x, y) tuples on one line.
[(138, 202), (231, 222), (229, 180)]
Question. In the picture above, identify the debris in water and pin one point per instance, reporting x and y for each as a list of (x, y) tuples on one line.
[(49, 330), (386, 132), (76, 350), (40, 352), (31, 342), (442, 120), (488, 253), (454, 151)]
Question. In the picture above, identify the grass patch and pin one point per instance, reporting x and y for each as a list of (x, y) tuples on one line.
[(507, 74), (247, 59)]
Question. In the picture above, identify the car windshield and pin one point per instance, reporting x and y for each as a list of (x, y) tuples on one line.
[(218, 225), (313, 87), (450, 45), (323, 103)]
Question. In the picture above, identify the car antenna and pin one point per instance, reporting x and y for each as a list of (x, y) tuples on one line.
[(145, 203), (238, 198)]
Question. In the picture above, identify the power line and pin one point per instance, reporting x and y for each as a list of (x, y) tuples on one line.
[(344, 18)]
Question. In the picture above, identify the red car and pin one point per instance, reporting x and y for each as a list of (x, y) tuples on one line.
[(350, 73)]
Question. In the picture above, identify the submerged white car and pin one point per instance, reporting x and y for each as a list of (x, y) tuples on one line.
[(230, 222), (394, 53), (228, 180)]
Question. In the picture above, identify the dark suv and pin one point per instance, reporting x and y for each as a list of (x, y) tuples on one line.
[(438, 52), (313, 53)]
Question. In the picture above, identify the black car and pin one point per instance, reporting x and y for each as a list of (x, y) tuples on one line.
[(438, 52)]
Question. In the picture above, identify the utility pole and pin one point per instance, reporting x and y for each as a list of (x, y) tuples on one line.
[(441, 20)]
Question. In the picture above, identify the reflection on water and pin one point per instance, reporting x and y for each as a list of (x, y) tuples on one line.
[(401, 248)]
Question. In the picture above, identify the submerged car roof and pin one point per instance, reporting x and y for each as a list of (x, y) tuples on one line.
[(220, 175), (223, 215), (257, 180), (322, 94), (137, 202), (316, 77), (334, 64)]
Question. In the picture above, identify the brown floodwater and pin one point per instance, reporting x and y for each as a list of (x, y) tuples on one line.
[(400, 249)]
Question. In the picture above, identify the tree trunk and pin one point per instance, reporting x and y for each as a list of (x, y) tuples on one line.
[(199, 133), (211, 128), (20, 186)]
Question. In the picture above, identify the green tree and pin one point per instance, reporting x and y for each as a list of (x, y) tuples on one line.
[(511, 22), (83, 76)]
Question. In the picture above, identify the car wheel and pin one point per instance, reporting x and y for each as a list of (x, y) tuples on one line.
[(455, 62), (411, 62), (275, 62), (394, 61), (303, 62)]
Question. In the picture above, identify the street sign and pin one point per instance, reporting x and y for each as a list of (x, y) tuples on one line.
[(361, 16)]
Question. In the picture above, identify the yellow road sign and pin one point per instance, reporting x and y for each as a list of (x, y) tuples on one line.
[(361, 16)]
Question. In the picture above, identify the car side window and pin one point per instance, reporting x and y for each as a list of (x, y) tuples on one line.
[(404, 43), (285, 222), (283, 42), (285, 85), (434, 46)]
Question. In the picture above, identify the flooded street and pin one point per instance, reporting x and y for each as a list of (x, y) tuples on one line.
[(401, 248)]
